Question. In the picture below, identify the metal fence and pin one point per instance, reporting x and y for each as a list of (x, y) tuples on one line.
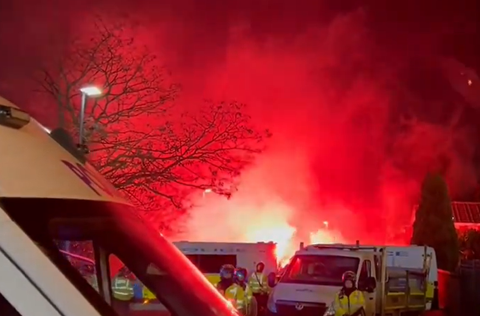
[(449, 292), (459, 293), (469, 281)]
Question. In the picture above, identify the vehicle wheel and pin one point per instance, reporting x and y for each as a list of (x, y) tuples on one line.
[(252, 309)]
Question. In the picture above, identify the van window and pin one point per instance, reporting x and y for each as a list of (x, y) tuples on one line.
[(115, 229), (319, 269), (6, 309), (365, 272), (80, 256), (129, 295), (212, 263)]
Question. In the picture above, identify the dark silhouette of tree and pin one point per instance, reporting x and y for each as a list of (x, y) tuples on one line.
[(434, 224), (137, 138)]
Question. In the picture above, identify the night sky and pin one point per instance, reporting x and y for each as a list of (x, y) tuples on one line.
[(363, 97)]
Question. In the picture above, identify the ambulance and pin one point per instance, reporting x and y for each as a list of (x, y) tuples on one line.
[(50, 195), (209, 257)]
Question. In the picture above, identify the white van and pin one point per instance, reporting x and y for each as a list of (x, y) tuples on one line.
[(209, 257), (314, 276), (49, 198)]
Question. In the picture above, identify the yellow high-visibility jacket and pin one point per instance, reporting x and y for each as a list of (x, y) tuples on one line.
[(122, 288), (235, 295), (344, 304), (258, 282)]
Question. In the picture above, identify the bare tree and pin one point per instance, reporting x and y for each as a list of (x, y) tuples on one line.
[(133, 83), (148, 150), (203, 150)]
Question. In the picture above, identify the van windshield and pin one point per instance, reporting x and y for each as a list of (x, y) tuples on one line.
[(319, 269), (92, 229)]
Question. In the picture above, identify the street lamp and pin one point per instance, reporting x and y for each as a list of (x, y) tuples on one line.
[(88, 91), (206, 191), (326, 224)]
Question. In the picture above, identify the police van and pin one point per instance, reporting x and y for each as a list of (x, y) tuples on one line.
[(49, 196), (209, 257)]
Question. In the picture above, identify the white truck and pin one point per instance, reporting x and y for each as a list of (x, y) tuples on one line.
[(394, 280), (49, 195)]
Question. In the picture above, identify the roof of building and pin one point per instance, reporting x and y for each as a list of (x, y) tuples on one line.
[(463, 212), (466, 212)]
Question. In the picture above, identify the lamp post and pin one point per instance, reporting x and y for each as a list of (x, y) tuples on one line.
[(326, 224), (89, 91)]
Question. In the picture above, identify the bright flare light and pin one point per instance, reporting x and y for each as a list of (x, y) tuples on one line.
[(250, 220), (91, 91), (322, 237), (281, 233)]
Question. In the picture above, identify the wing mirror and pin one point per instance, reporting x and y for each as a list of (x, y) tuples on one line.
[(368, 285), (272, 279)]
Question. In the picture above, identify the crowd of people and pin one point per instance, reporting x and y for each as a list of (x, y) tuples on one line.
[(249, 293)]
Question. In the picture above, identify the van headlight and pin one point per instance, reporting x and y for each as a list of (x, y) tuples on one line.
[(271, 303), (330, 311)]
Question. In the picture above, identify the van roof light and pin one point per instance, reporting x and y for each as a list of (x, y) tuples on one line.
[(13, 117)]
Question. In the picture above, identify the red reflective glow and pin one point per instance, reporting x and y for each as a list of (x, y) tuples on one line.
[(349, 148)]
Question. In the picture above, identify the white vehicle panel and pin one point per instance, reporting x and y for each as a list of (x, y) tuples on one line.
[(412, 257), (247, 254), (42, 273), (304, 293), (28, 172), (16, 289)]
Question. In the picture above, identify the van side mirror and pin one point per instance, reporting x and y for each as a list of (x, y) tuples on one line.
[(272, 279), (368, 285)]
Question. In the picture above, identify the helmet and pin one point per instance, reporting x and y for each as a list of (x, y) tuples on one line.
[(227, 271), (260, 266), (349, 275), (240, 274)]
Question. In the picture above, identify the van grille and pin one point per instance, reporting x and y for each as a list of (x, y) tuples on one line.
[(290, 308)]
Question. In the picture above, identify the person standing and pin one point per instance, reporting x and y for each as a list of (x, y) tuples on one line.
[(250, 304), (122, 288), (349, 301), (233, 292), (258, 284)]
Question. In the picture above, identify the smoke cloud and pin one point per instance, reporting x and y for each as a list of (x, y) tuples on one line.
[(359, 114), (349, 148)]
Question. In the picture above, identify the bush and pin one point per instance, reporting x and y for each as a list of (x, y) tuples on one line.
[(470, 244)]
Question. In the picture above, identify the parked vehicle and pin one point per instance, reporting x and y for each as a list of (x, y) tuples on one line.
[(49, 195), (394, 280), (209, 257)]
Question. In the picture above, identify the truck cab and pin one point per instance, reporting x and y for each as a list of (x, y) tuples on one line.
[(50, 195), (314, 276)]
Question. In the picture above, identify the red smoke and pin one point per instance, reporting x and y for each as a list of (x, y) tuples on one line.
[(349, 148), (341, 152)]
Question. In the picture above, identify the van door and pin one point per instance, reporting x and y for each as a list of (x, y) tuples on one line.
[(367, 270), (18, 296)]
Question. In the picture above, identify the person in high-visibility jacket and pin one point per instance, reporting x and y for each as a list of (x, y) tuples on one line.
[(250, 302), (233, 292), (258, 284), (122, 285), (349, 301)]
